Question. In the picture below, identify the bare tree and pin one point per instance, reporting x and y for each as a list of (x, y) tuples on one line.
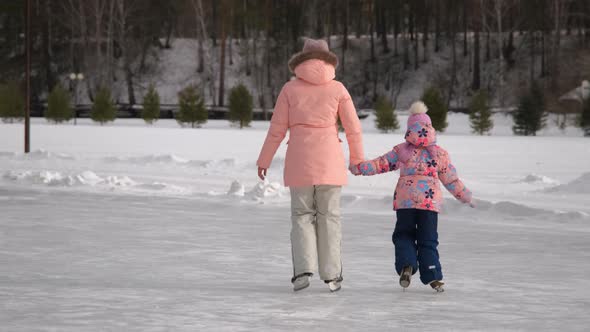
[(98, 8), (559, 8), (223, 27), (201, 32), (498, 12)]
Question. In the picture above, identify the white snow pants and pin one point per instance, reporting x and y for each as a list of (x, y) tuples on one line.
[(315, 232)]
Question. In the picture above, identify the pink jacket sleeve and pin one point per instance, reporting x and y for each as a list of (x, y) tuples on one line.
[(352, 127), (447, 174), (279, 125), (386, 163)]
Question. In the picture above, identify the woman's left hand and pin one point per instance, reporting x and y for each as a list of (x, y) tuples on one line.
[(262, 173)]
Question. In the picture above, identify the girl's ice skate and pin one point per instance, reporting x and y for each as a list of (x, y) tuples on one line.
[(405, 277), (437, 285)]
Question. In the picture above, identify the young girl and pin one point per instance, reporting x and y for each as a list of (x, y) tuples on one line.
[(417, 197), (315, 170)]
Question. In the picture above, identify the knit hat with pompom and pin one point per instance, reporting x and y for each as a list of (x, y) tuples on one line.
[(418, 114)]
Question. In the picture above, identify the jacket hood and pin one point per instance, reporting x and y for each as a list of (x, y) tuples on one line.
[(421, 134), (315, 71), (301, 57)]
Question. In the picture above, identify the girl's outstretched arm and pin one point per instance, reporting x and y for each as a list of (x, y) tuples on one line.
[(386, 163), (447, 173)]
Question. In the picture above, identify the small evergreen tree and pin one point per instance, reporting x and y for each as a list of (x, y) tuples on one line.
[(12, 102), (192, 107), (151, 106), (437, 110), (480, 114), (240, 105), (59, 107), (530, 117), (103, 109), (585, 117), (386, 119)]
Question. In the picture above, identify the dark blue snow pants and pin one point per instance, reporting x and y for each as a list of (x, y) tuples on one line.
[(415, 239)]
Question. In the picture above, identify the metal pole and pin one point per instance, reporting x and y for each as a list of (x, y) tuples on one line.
[(75, 100), (28, 77)]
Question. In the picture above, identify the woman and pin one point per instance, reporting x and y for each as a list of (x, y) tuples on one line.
[(315, 170)]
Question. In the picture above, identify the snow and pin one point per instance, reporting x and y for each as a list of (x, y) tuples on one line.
[(129, 227), (171, 70), (540, 179), (579, 185)]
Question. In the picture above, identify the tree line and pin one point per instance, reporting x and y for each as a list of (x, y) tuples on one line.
[(116, 42)]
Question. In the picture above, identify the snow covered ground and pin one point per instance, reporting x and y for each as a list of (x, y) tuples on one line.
[(132, 228)]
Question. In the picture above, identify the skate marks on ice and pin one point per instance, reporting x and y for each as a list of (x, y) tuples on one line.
[(140, 263)]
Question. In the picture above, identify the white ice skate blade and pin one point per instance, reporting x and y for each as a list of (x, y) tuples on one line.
[(439, 289), (334, 286), (405, 279), (301, 283)]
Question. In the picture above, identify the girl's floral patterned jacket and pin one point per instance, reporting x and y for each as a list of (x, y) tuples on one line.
[(418, 186)]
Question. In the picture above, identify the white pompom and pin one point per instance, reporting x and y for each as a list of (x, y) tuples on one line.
[(418, 108)]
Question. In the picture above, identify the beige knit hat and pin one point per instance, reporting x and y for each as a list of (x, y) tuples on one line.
[(313, 49)]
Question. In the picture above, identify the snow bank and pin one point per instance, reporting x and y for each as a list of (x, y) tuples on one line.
[(237, 189), (261, 192), (264, 190), (538, 179), (494, 210), (52, 178), (171, 159), (580, 185), (39, 154), (212, 164), (89, 179), (149, 159), (511, 210)]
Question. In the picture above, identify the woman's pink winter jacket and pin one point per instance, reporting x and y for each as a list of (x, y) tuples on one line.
[(418, 187), (309, 107)]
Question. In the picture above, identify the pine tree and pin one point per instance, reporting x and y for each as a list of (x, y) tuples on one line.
[(59, 107), (585, 117), (386, 119), (521, 115), (103, 109), (192, 107), (151, 106), (437, 110), (480, 115), (12, 102), (240, 105), (530, 117)]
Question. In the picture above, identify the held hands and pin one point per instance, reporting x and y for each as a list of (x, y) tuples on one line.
[(262, 173), (354, 169)]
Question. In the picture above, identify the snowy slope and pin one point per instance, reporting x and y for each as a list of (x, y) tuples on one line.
[(132, 228), (171, 70)]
